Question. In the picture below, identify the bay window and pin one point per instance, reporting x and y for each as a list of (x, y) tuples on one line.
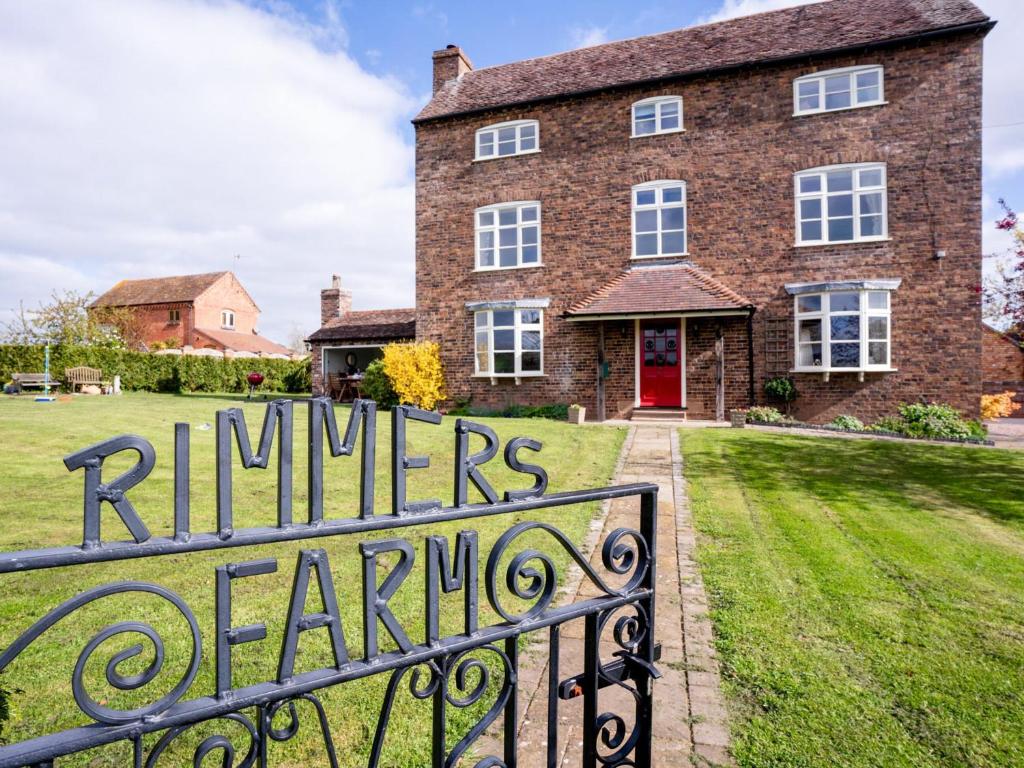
[(659, 219), (841, 204), (509, 342), (508, 235), (843, 326)]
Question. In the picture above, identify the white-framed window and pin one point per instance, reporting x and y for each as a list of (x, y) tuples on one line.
[(661, 114), (173, 316), (844, 330), (509, 342), (508, 235), (227, 318), (659, 219), (841, 204), (838, 89), (519, 137)]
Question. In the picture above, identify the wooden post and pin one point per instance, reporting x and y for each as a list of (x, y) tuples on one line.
[(719, 374)]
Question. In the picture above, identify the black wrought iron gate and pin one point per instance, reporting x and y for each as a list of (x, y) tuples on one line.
[(447, 671)]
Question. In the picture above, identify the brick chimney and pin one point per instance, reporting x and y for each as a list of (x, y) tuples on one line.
[(334, 301), (450, 63)]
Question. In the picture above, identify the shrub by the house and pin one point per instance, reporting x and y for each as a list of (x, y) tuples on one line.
[(998, 406), (844, 421), (377, 386), (415, 372)]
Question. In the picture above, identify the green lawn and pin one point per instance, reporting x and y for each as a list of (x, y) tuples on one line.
[(867, 597), (40, 505)]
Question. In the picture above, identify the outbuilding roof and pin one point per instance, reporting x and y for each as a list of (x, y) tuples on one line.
[(377, 325), (826, 27), (660, 289), (243, 342)]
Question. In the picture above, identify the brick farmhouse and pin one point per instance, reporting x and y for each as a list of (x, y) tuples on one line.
[(210, 311), (670, 221), (1002, 360)]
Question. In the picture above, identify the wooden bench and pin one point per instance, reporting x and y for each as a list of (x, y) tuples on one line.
[(81, 376), (33, 381)]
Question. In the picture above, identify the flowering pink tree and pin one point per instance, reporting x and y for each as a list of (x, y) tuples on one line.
[(1004, 289)]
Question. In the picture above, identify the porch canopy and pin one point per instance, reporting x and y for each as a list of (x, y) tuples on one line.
[(675, 289), (660, 290)]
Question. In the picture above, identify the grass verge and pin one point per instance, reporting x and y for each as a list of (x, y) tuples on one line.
[(866, 597)]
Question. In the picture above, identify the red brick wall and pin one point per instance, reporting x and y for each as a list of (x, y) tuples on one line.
[(154, 320), (226, 293), (738, 155), (1002, 363)]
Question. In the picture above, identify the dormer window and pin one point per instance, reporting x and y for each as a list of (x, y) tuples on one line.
[(227, 319), (838, 89), (507, 139), (662, 114)]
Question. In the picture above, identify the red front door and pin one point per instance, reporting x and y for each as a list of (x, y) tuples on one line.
[(661, 368)]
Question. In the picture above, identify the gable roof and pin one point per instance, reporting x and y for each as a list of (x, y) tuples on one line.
[(651, 289), (1010, 337), (375, 325), (158, 290), (826, 27)]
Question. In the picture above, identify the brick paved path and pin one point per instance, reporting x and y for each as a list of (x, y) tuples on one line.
[(690, 725)]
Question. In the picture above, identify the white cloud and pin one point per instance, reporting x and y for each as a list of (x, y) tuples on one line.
[(730, 9), (586, 36), (1004, 90), (165, 136)]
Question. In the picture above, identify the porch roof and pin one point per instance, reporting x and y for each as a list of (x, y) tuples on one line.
[(660, 289), (371, 326)]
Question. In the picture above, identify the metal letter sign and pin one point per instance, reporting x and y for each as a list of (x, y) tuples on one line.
[(519, 583)]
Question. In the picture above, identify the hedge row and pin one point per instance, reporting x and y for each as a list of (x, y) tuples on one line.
[(159, 373)]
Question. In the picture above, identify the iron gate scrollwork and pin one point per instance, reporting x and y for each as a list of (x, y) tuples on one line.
[(519, 582)]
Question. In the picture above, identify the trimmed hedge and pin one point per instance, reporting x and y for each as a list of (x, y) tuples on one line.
[(141, 371)]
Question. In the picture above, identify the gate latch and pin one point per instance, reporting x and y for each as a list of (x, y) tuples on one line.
[(627, 666)]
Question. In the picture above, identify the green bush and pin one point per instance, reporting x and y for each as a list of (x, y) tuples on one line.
[(141, 371), (847, 422), (377, 386), (931, 420), (781, 388), (765, 414), (299, 377)]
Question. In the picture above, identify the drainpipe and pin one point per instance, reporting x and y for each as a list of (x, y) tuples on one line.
[(750, 357)]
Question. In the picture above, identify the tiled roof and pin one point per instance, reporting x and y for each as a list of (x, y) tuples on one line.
[(1012, 336), (243, 342), (659, 288), (372, 324), (765, 37), (158, 290)]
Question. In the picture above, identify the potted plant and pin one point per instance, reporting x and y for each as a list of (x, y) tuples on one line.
[(577, 414)]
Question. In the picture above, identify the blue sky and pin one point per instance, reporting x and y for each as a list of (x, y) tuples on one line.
[(272, 137)]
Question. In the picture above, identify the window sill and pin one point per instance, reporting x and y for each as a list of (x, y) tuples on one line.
[(508, 269), (811, 113), (824, 244), (506, 157), (656, 133), (227, 327), (825, 374), (683, 255), (495, 378)]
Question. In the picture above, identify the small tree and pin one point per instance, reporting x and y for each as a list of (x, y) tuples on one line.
[(1003, 292), (66, 319), (415, 372), (781, 388)]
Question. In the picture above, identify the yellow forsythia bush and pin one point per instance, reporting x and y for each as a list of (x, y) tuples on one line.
[(415, 372), (998, 406)]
